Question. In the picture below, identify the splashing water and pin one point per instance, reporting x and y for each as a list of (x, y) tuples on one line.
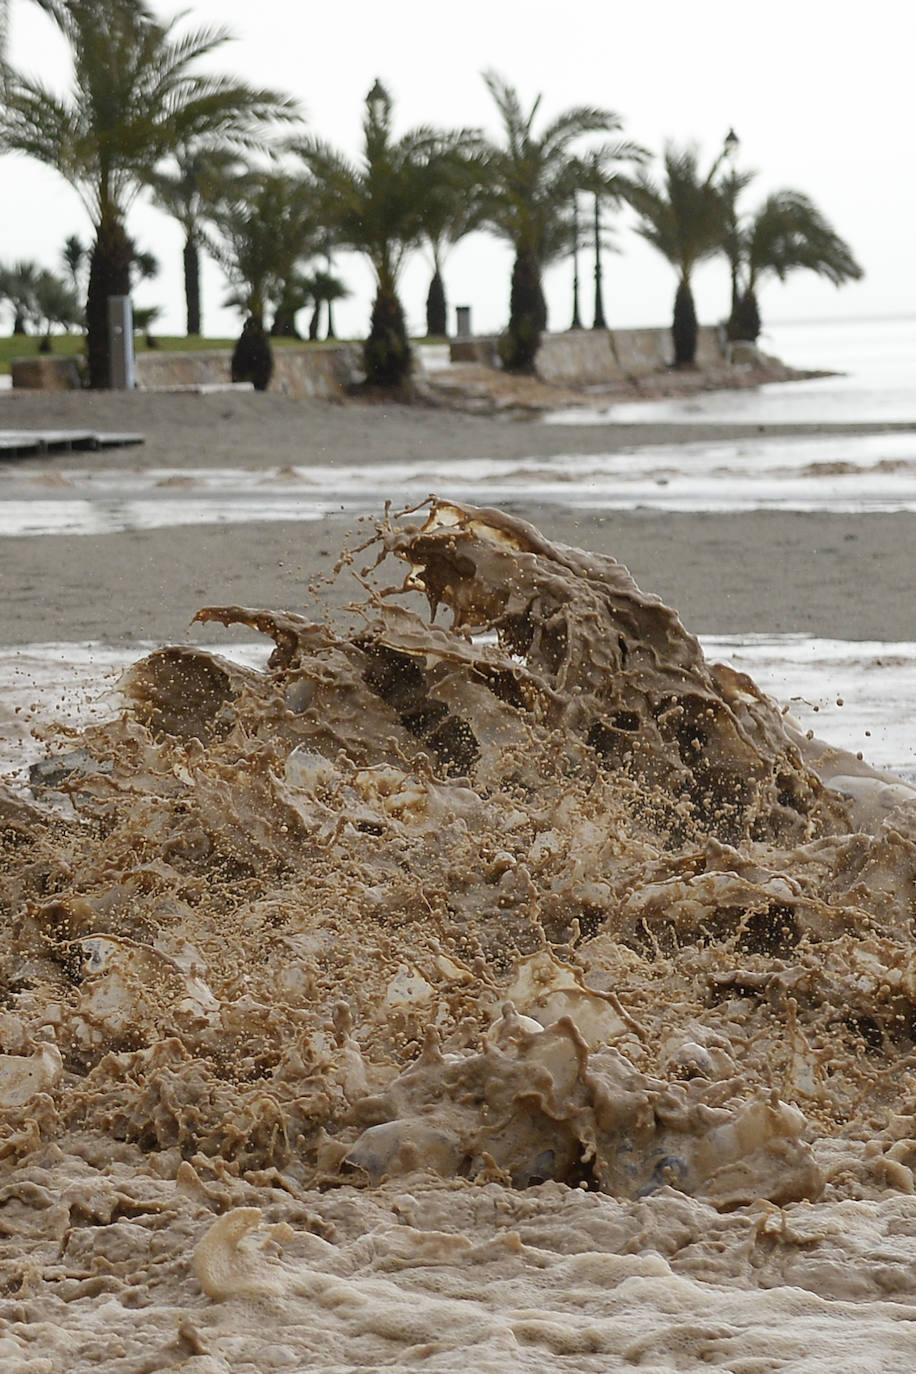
[(526, 902)]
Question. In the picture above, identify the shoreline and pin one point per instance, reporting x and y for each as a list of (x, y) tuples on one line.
[(819, 574), (219, 429)]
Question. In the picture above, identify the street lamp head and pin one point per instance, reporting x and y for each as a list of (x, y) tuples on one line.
[(377, 102), (730, 147)]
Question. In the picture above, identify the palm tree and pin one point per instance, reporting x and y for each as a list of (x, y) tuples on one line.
[(528, 199), (56, 302), (200, 177), (452, 208), (135, 98), (322, 288), (17, 286), (786, 234), (73, 256), (686, 219), (375, 207), (265, 229)]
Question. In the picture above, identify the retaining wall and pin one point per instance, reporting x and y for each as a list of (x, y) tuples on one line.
[(586, 357), (45, 373), (322, 371), (580, 357)]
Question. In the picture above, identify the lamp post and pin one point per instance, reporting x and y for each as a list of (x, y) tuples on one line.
[(576, 321), (600, 322), (327, 253), (729, 152), (730, 146), (377, 102)]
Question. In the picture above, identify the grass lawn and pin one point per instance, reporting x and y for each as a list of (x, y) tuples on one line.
[(71, 345)]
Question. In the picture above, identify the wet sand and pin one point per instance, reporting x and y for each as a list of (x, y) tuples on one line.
[(838, 576)]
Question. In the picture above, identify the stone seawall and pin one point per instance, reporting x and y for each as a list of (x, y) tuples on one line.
[(319, 371), (584, 357), (45, 374)]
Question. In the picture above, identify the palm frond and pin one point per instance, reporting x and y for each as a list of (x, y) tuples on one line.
[(135, 98), (789, 233), (573, 123), (686, 217), (528, 182)]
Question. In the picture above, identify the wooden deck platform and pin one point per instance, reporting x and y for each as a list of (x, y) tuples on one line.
[(17, 443)]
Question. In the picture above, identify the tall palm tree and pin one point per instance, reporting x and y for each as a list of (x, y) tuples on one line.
[(135, 98), (200, 176), (787, 233), (264, 230), (375, 207), (528, 199), (686, 219)]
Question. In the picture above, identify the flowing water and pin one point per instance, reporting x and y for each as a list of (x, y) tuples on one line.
[(500, 978)]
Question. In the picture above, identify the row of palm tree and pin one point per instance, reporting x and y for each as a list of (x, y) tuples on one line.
[(41, 300), (139, 115), (689, 217)]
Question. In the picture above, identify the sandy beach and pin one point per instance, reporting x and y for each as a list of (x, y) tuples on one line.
[(819, 574)]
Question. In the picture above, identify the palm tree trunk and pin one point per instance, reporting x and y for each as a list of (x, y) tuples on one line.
[(386, 352), (252, 357), (684, 326), (191, 257), (284, 321), (436, 311), (745, 320), (527, 315), (109, 275)]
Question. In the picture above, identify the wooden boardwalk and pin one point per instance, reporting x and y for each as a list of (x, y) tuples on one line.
[(18, 443)]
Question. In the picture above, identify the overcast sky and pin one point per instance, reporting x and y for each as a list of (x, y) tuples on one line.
[(820, 95)]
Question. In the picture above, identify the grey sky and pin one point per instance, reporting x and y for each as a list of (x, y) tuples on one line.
[(819, 93)]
